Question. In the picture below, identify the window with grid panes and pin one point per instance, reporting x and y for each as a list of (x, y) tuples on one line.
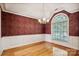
[(60, 27)]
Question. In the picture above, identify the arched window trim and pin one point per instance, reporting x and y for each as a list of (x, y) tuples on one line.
[(53, 22)]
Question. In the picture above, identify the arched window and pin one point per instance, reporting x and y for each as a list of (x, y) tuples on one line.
[(60, 27)]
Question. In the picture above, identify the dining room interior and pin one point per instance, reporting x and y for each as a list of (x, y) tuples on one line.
[(39, 29)]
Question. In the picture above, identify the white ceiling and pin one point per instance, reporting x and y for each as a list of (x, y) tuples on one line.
[(39, 10)]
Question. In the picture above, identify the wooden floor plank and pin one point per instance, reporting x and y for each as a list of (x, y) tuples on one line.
[(30, 50)]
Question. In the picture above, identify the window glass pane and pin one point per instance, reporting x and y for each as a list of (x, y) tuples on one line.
[(61, 26), (60, 18)]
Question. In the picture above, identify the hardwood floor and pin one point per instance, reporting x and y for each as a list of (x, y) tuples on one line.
[(37, 49)]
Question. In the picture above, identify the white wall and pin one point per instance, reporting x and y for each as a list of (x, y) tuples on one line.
[(14, 41)]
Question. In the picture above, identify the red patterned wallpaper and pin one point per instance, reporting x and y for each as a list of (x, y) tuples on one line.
[(19, 25), (74, 24), (48, 28)]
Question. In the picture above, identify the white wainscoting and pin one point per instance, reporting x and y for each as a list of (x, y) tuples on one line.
[(73, 41), (14, 41), (1, 49)]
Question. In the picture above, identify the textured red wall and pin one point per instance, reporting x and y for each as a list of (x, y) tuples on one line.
[(19, 25), (48, 28), (74, 24)]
